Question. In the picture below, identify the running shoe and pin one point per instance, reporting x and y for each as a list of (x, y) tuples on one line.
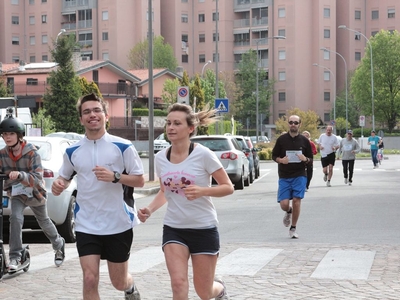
[(328, 183), (287, 219), (293, 234), (325, 177), (59, 256), (345, 181), (14, 264), (224, 294), (135, 295)]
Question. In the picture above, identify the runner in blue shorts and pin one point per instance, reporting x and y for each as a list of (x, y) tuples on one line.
[(292, 152)]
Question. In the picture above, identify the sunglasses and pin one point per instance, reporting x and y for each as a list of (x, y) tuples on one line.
[(293, 122)]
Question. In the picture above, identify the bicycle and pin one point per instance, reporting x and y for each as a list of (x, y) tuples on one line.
[(25, 255)]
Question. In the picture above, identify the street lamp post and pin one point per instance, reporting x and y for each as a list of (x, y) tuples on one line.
[(276, 37), (372, 71), (202, 70), (334, 91), (345, 69), (60, 33)]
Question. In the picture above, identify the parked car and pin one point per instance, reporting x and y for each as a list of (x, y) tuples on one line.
[(247, 151), (67, 135), (230, 155), (60, 208), (256, 158), (160, 143), (261, 139)]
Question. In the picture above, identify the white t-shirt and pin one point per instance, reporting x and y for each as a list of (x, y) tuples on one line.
[(327, 142), (195, 169), (100, 206)]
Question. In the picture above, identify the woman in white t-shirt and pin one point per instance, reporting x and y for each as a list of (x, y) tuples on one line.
[(185, 171)]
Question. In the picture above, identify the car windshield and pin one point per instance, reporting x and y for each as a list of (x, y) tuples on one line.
[(44, 149), (160, 137), (214, 144)]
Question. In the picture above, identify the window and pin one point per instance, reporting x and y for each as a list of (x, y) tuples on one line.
[(44, 18), (15, 40), (391, 13), (214, 17), (185, 38), (185, 58), (282, 76), (281, 115), (105, 56), (15, 2), (215, 57), (357, 36), (327, 55), (375, 14), (184, 1), (44, 39), (282, 32), (373, 33), (104, 15), (215, 37), (31, 81), (281, 12), (327, 12), (327, 96), (32, 20), (282, 55), (32, 40), (32, 59), (327, 117), (184, 18), (31, 2), (44, 1), (327, 75), (357, 15), (357, 55), (202, 38), (104, 36), (15, 20), (327, 33), (45, 58), (15, 59), (282, 96), (202, 58), (202, 18)]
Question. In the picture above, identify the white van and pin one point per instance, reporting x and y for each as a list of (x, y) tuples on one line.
[(23, 113)]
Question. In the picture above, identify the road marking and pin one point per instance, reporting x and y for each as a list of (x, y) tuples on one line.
[(345, 264), (245, 261)]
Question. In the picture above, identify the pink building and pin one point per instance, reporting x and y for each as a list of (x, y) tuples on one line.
[(107, 29)]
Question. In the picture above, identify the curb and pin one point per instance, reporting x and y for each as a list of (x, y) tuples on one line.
[(147, 191)]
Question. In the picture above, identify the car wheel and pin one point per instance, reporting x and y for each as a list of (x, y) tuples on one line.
[(239, 185), (67, 229), (251, 176), (257, 171), (247, 180)]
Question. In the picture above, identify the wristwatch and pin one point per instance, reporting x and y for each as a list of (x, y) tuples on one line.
[(117, 177)]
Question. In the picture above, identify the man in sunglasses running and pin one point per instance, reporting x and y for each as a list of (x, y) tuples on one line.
[(292, 152)]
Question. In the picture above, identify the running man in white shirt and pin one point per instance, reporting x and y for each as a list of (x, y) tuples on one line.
[(328, 144)]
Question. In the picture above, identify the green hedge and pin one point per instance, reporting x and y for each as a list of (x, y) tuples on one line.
[(144, 112)]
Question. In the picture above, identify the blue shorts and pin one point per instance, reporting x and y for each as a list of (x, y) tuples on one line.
[(198, 241), (290, 188)]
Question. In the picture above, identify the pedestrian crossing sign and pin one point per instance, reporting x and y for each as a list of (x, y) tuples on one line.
[(222, 105)]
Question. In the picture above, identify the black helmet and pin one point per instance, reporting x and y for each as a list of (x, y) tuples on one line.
[(12, 124)]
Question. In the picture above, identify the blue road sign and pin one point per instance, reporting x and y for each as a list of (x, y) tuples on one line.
[(222, 105)]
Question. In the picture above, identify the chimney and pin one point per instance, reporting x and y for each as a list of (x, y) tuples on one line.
[(179, 70)]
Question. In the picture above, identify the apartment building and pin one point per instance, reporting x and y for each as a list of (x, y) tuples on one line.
[(219, 31)]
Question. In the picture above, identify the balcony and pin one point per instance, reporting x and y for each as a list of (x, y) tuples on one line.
[(241, 23)]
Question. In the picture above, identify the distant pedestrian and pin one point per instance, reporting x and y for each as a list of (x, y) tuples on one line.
[(380, 151), (292, 152), (310, 166), (349, 147), (374, 142), (328, 144)]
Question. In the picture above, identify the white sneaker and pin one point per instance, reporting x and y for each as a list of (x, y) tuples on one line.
[(14, 264), (293, 234), (345, 181), (350, 182), (287, 219), (225, 295), (328, 183)]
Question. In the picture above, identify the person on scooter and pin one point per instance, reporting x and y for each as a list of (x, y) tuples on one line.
[(25, 187)]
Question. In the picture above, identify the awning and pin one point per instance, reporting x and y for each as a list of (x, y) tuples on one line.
[(241, 31), (240, 51), (259, 29)]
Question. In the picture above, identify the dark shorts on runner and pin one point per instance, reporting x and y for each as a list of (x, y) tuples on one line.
[(114, 247), (198, 241), (328, 160)]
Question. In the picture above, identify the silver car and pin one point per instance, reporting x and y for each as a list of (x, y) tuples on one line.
[(230, 155), (160, 143), (60, 208)]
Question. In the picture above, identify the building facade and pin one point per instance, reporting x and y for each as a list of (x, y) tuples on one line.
[(219, 31)]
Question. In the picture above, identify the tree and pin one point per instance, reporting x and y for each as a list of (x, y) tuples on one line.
[(89, 87), (197, 92), (163, 55), (60, 99), (44, 120), (170, 91), (246, 105), (386, 73), (4, 89), (309, 121)]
